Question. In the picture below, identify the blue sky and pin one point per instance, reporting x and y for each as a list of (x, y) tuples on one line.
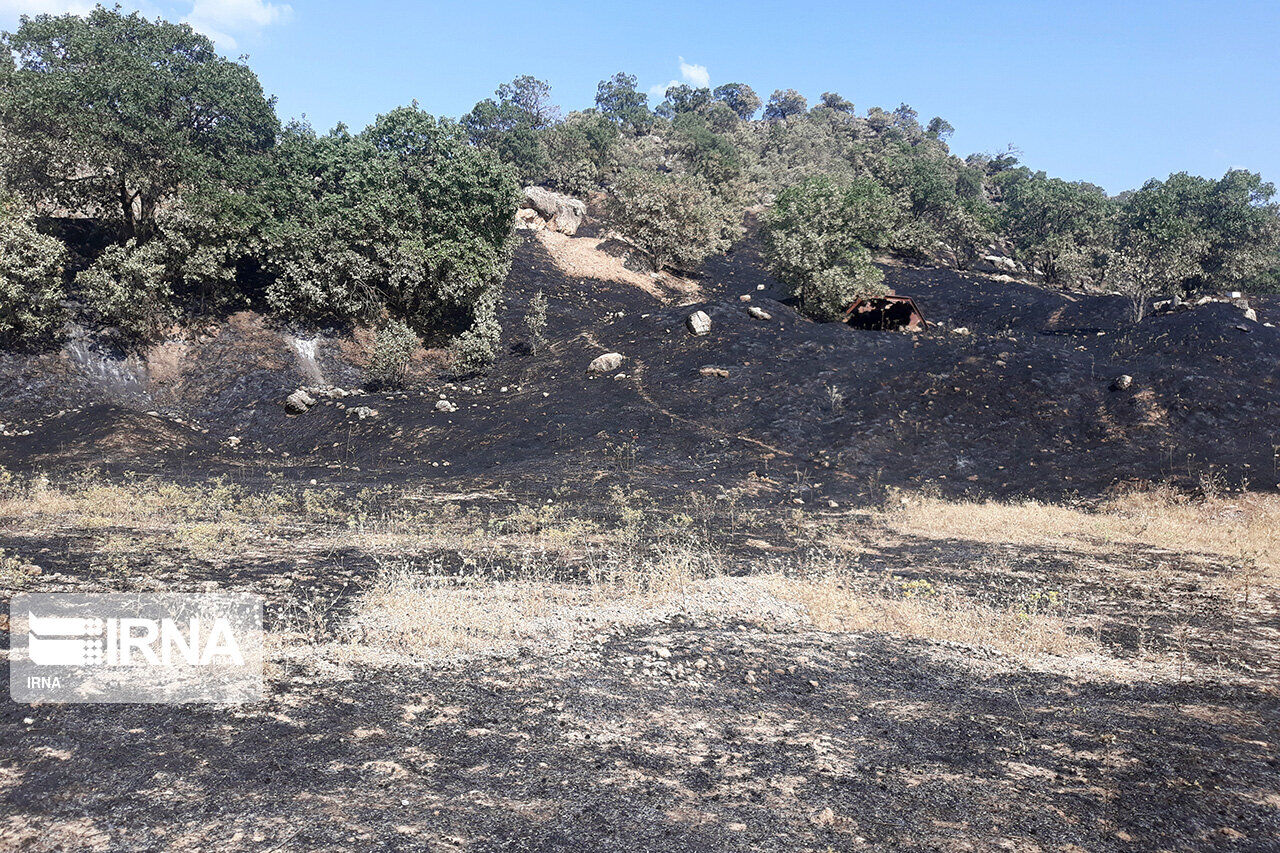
[(1111, 92)]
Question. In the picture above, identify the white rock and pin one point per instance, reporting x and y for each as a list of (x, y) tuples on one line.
[(606, 363), (698, 323), (759, 313), (299, 401)]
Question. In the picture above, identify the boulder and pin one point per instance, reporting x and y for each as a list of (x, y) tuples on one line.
[(698, 323), (996, 263), (759, 313), (445, 406), (1122, 383), (560, 212), (1250, 314), (606, 363), (363, 412), (299, 402), (719, 372)]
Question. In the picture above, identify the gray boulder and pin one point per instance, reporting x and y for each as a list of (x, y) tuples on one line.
[(606, 363), (299, 402), (561, 212)]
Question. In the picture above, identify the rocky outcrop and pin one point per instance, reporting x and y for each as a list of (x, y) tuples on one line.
[(556, 211)]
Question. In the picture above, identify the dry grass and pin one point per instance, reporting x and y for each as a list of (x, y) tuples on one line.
[(456, 582), (1031, 627), (1243, 528)]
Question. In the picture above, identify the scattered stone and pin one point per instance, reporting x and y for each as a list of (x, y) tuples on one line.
[(698, 323), (750, 677), (960, 330), (1122, 383), (363, 412), (714, 371), (233, 441), (299, 402), (759, 313), (759, 287), (746, 297), (445, 406), (606, 363)]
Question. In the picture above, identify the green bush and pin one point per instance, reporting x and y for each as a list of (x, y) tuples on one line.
[(535, 320), (128, 288), (827, 293), (31, 276), (477, 347), (405, 217), (393, 349), (816, 237), (675, 219)]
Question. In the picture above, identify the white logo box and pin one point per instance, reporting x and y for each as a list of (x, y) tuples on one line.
[(134, 647)]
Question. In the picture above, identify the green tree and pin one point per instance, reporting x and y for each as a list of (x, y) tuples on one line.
[(1189, 234), (619, 101), (405, 217), (816, 238), (675, 219), (512, 125), (582, 151), (739, 97), (707, 153), (833, 101), (683, 98), (785, 103), (1051, 221), (116, 114)]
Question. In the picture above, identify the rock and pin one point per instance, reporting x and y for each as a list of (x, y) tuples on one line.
[(1250, 314), (445, 406), (698, 323), (746, 297), (759, 287), (233, 441), (759, 313), (714, 371), (561, 212), (997, 263), (606, 363), (528, 219), (299, 402), (1122, 383), (960, 330), (363, 412)]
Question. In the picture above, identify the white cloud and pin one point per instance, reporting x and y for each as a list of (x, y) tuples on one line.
[(695, 75), (14, 8), (221, 19)]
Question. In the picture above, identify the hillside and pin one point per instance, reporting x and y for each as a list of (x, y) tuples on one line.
[(1010, 394)]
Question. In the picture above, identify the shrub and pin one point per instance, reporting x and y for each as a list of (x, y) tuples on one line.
[(816, 237), (31, 274), (393, 348), (127, 287), (675, 219), (536, 321), (405, 217), (827, 293), (477, 347)]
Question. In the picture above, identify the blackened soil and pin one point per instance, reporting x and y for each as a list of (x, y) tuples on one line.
[(1021, 405)]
